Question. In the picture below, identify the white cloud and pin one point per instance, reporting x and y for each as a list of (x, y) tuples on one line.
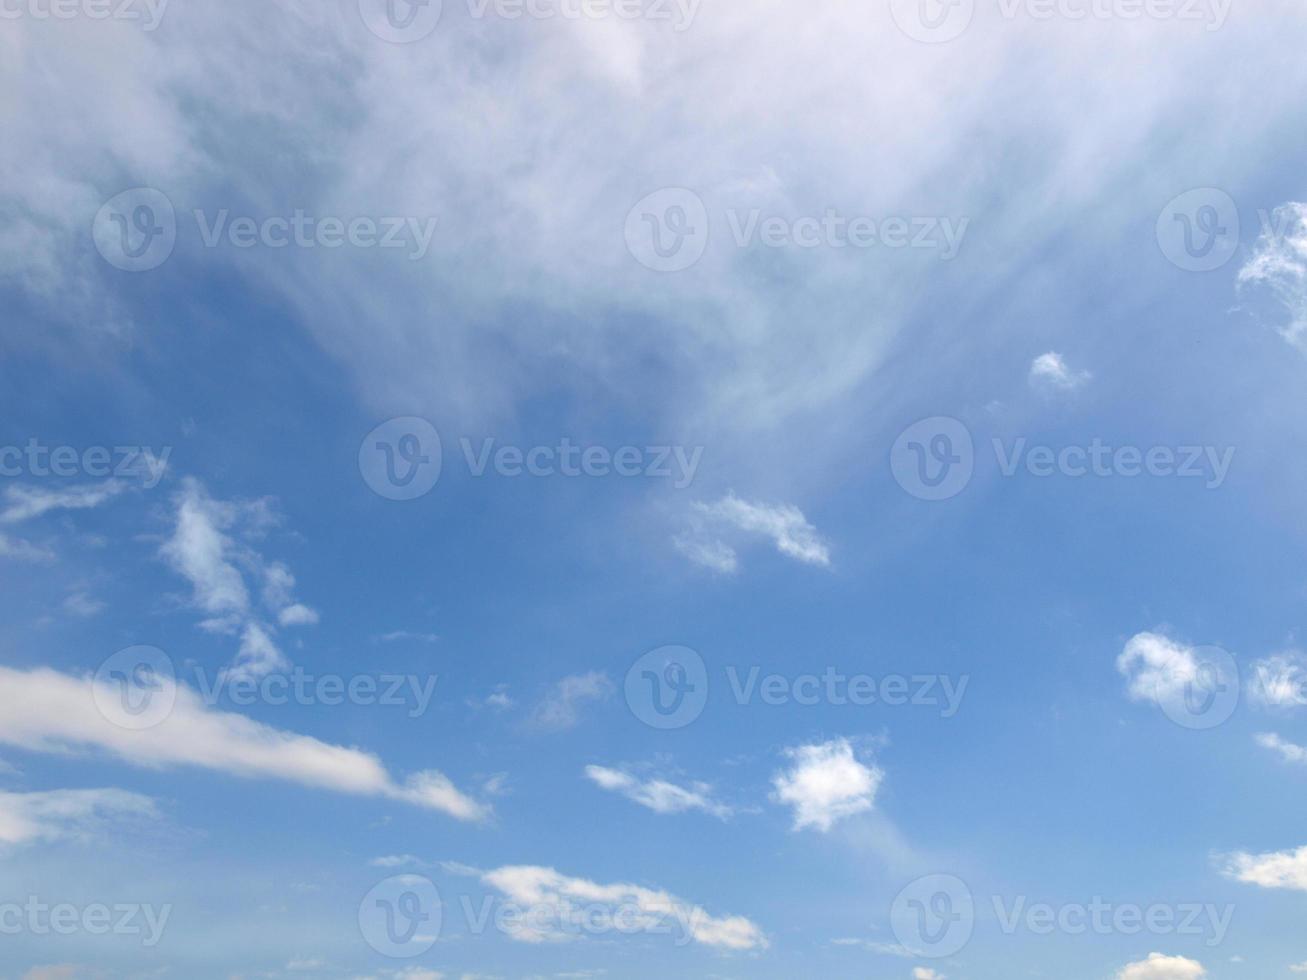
[(398, 861), (21, 550), (556, 901), (658, 794), (1299, 967), (82, 605), (1050, 372), (1279, 264), (397, 636), (45, 711), (24, 503), (561, 707), (1162, 670), (783, 524), (57, 814), (1287, 750), (1279, 869), (926, 973), (1159, 967), (298, 614), (826, 784), (205, 552)]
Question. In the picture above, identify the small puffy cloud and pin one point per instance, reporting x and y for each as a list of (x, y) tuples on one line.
[(1279, 266), (298, 614), (561, 707), (926, 973), (1049, 372), (1162, 670), (826, 784), (1299, 967), (58, 814), (658, 794), (43, 710), (1159, 967), (24, 503), (1277, 869), (559, 903), (784, 524)]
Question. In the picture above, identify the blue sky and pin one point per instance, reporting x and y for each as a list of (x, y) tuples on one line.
[(652, 490)]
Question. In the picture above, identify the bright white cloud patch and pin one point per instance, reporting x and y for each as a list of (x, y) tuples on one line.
[(562, 908), (53, 815), (658, 794), (1277, 869), (46, 711), (1159, 967), (926, 973), (1279, 265), (783, 524), (826, 784), (1050, 372)]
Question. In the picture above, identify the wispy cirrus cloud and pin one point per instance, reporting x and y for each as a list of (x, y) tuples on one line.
[(658, 795), (59, 814)]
